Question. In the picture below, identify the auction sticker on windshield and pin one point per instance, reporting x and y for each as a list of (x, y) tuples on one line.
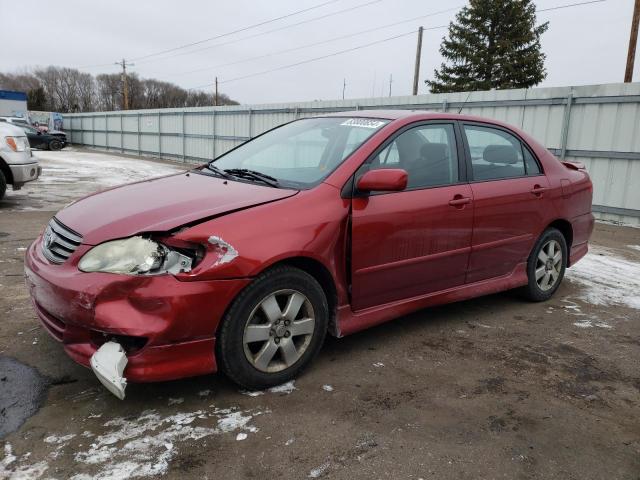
[(363, 123)]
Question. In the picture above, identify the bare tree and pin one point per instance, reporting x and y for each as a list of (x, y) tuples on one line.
[(69, 90), (108, 91)]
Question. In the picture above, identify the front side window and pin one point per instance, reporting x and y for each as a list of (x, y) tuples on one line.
[(496, 154), (428, 154), (301, 154)]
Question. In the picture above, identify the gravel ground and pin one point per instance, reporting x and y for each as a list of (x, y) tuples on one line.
[(489, 388)]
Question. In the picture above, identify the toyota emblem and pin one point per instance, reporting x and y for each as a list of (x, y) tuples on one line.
[(48, 239)]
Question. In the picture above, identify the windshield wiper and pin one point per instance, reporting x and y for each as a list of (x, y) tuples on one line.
[(246, 173), (217, 170)]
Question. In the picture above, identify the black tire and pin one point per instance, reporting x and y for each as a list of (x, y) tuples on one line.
[(55, 145), (230, 346), (535, 290), (3, 185)]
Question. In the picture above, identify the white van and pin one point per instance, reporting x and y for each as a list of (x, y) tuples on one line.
[(17, 165)]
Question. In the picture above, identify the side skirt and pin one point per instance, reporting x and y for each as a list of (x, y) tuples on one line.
[(349, 322)]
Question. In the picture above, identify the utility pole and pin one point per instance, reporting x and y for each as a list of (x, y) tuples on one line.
[(416, 71), (390, 82), (344, 86), (215, 96), (633, 41), (125, 83)]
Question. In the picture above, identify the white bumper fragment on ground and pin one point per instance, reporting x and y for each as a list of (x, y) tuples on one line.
[(108, 364)]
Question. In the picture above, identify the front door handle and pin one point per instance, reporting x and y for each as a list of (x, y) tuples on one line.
[(459, 201), (537, 190)]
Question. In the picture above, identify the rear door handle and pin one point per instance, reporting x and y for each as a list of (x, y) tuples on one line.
[(459, 201), (538, 190)]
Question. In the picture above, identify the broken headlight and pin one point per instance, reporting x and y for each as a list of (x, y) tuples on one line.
[(134, 256)]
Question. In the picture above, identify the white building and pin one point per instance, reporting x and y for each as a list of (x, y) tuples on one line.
[(13, 104)]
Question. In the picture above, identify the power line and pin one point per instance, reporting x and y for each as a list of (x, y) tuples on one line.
[(248, 27), (301, 23), (266, 32), (337, 38), (309, 60), (264, 72), (569, 5), (309, 45)]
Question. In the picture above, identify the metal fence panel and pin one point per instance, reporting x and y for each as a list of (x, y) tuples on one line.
[(596, 124)]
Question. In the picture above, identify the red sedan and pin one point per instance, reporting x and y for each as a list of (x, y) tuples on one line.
[(327, 224)]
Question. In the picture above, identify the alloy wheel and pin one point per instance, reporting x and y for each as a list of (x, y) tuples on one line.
[(548, 265), (279, 331)]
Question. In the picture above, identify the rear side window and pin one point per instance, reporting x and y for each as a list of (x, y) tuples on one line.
[(530, 163), (496, 154)]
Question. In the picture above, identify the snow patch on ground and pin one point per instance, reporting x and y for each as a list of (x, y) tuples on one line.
[(634, 247), (318, 471), (133, 447), (584, 320), (327, 388), (285, 388), (59, 440), (590, 323), (607, 279), (19, 472), (70, 174)]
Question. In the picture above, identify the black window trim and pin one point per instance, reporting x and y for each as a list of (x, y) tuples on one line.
[(523, 144), (349, 189)]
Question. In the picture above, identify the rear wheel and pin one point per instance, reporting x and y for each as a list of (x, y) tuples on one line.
[(274, 328), (546, 266)]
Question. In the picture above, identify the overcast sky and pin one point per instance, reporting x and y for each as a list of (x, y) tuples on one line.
[(584, 44)]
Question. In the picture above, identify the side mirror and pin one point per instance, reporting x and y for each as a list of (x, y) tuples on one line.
[(383, 180), (39, 132)]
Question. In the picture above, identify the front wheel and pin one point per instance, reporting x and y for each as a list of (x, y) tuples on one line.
[(55, 145), (3, 185), (546, 266), (274, 328)]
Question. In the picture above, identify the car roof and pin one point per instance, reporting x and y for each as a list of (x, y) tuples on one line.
[(409, 116), (412, 115)]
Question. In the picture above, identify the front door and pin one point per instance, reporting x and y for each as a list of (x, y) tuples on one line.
[(410, 243)]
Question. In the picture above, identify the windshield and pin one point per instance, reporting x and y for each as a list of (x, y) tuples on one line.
[(301, 154), (26, 128)]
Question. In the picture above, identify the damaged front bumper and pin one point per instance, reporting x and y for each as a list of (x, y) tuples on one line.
[(108, 364), (164, 326)]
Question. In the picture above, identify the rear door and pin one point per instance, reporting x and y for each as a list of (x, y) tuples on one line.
[(414, 242), (509, 191)]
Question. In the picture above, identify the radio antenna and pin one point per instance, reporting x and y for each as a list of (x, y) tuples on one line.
[(465, 102)]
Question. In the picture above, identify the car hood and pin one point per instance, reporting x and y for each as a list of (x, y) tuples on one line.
[(162, 204)]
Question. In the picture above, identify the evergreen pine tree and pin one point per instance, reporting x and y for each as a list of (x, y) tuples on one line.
[(493, 44)]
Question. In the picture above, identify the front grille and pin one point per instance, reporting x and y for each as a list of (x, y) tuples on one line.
[(59, 242)]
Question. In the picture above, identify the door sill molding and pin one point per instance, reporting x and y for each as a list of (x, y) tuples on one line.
[(350, 321)]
